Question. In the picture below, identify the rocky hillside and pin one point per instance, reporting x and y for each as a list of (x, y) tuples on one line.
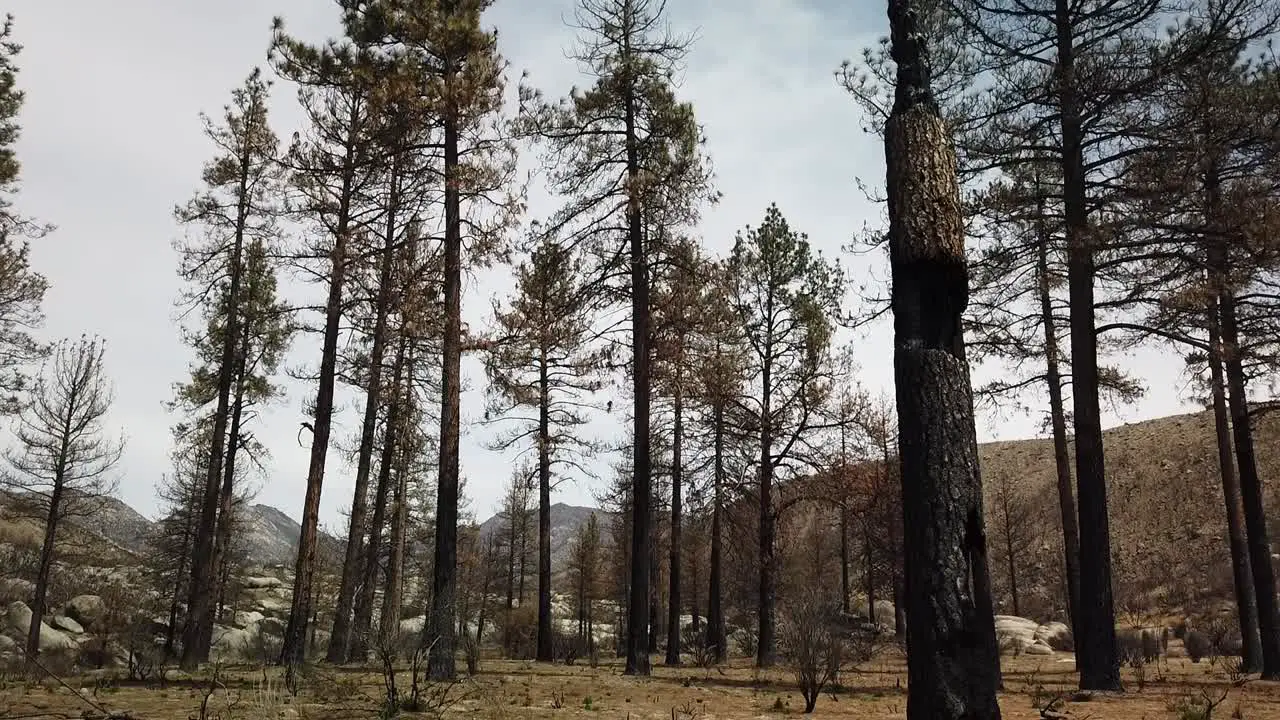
[(1168, 522), (271, 537)]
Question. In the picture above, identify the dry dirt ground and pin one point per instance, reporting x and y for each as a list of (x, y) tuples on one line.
[(507, 689)]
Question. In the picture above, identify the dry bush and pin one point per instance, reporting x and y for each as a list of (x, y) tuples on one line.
[(818, 645), (1197, 645), (518, 630)]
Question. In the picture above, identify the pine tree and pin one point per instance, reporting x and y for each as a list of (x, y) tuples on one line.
[(620, 150), (244, 324), (953, 663), (721, 372), (62, 454), (461, 70), (784, 296), (21, 289), (404, 178), (330, 163), (677, 312), (542, 372)]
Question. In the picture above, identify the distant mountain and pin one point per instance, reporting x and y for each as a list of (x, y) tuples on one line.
[(565, 522), (118, 522), (272, 536)]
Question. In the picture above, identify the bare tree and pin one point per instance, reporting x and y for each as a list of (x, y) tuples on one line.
[(62, 454)]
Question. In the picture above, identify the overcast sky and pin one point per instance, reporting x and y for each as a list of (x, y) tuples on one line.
[(111, 142)]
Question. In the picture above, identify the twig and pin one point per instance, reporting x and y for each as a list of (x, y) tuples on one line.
[(113, 714)]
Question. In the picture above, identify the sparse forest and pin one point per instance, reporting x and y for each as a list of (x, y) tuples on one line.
[(1065, 185)]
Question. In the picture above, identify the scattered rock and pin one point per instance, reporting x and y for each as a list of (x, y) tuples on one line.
[(7, 645), (86, 610), (271, 626), (62, 622), (16, 589), (243, 618), (412, 626), (1038, 648), (19, 618), (262, 582), (230, 643)]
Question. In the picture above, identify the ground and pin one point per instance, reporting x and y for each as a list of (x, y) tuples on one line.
[(510, 689)]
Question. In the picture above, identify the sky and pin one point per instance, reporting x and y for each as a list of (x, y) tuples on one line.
[(112, 142)]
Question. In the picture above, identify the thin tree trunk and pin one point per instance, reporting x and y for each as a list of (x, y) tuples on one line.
[(441, 664), (716, 635), (871, 574), (765, 641), (1058, 420), (295, 637), (673, 599), (845, 587), (393, 594), (1242, 573), (340, 637), (200, 594), (1009, 553), (40, 595), (222, 541), (953, 661), (170, 634), (1264, 582), (545, 650), (362, 620)]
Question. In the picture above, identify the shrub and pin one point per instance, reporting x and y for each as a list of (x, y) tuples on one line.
[(813, 644), (1197, 645), (518, 629)]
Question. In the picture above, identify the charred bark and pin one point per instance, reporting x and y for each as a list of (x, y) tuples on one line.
[(1241, 572), (440, 662), (340, 637), (673, 596), (953, 661), (716, 635)]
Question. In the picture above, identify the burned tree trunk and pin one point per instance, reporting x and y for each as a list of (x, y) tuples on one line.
[(1242, 574), (953, 661)]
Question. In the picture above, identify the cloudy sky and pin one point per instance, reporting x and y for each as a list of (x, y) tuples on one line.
[(112, 142)]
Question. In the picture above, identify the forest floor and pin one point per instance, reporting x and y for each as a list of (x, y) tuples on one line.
[(510, 689)]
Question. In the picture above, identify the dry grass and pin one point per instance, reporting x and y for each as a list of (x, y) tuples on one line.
[(507, 689)]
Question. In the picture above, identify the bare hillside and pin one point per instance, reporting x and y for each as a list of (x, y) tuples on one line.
[(1168, 526)]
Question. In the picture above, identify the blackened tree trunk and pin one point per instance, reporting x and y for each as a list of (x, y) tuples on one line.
[(637, 646), (200, 593), (1097, 656), (953, 660), (766, 644), (545, 651), (1058, 421), (393, 591), (294, 650), (1264, 582), (716, 636), (845, 587), (226, 498), (673, 596), (340, 637), (40, 595), (1242, 573), (362, 621), (871, 573), (440, 663)]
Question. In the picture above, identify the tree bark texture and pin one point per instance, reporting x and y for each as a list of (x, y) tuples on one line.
[(953, 660)]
